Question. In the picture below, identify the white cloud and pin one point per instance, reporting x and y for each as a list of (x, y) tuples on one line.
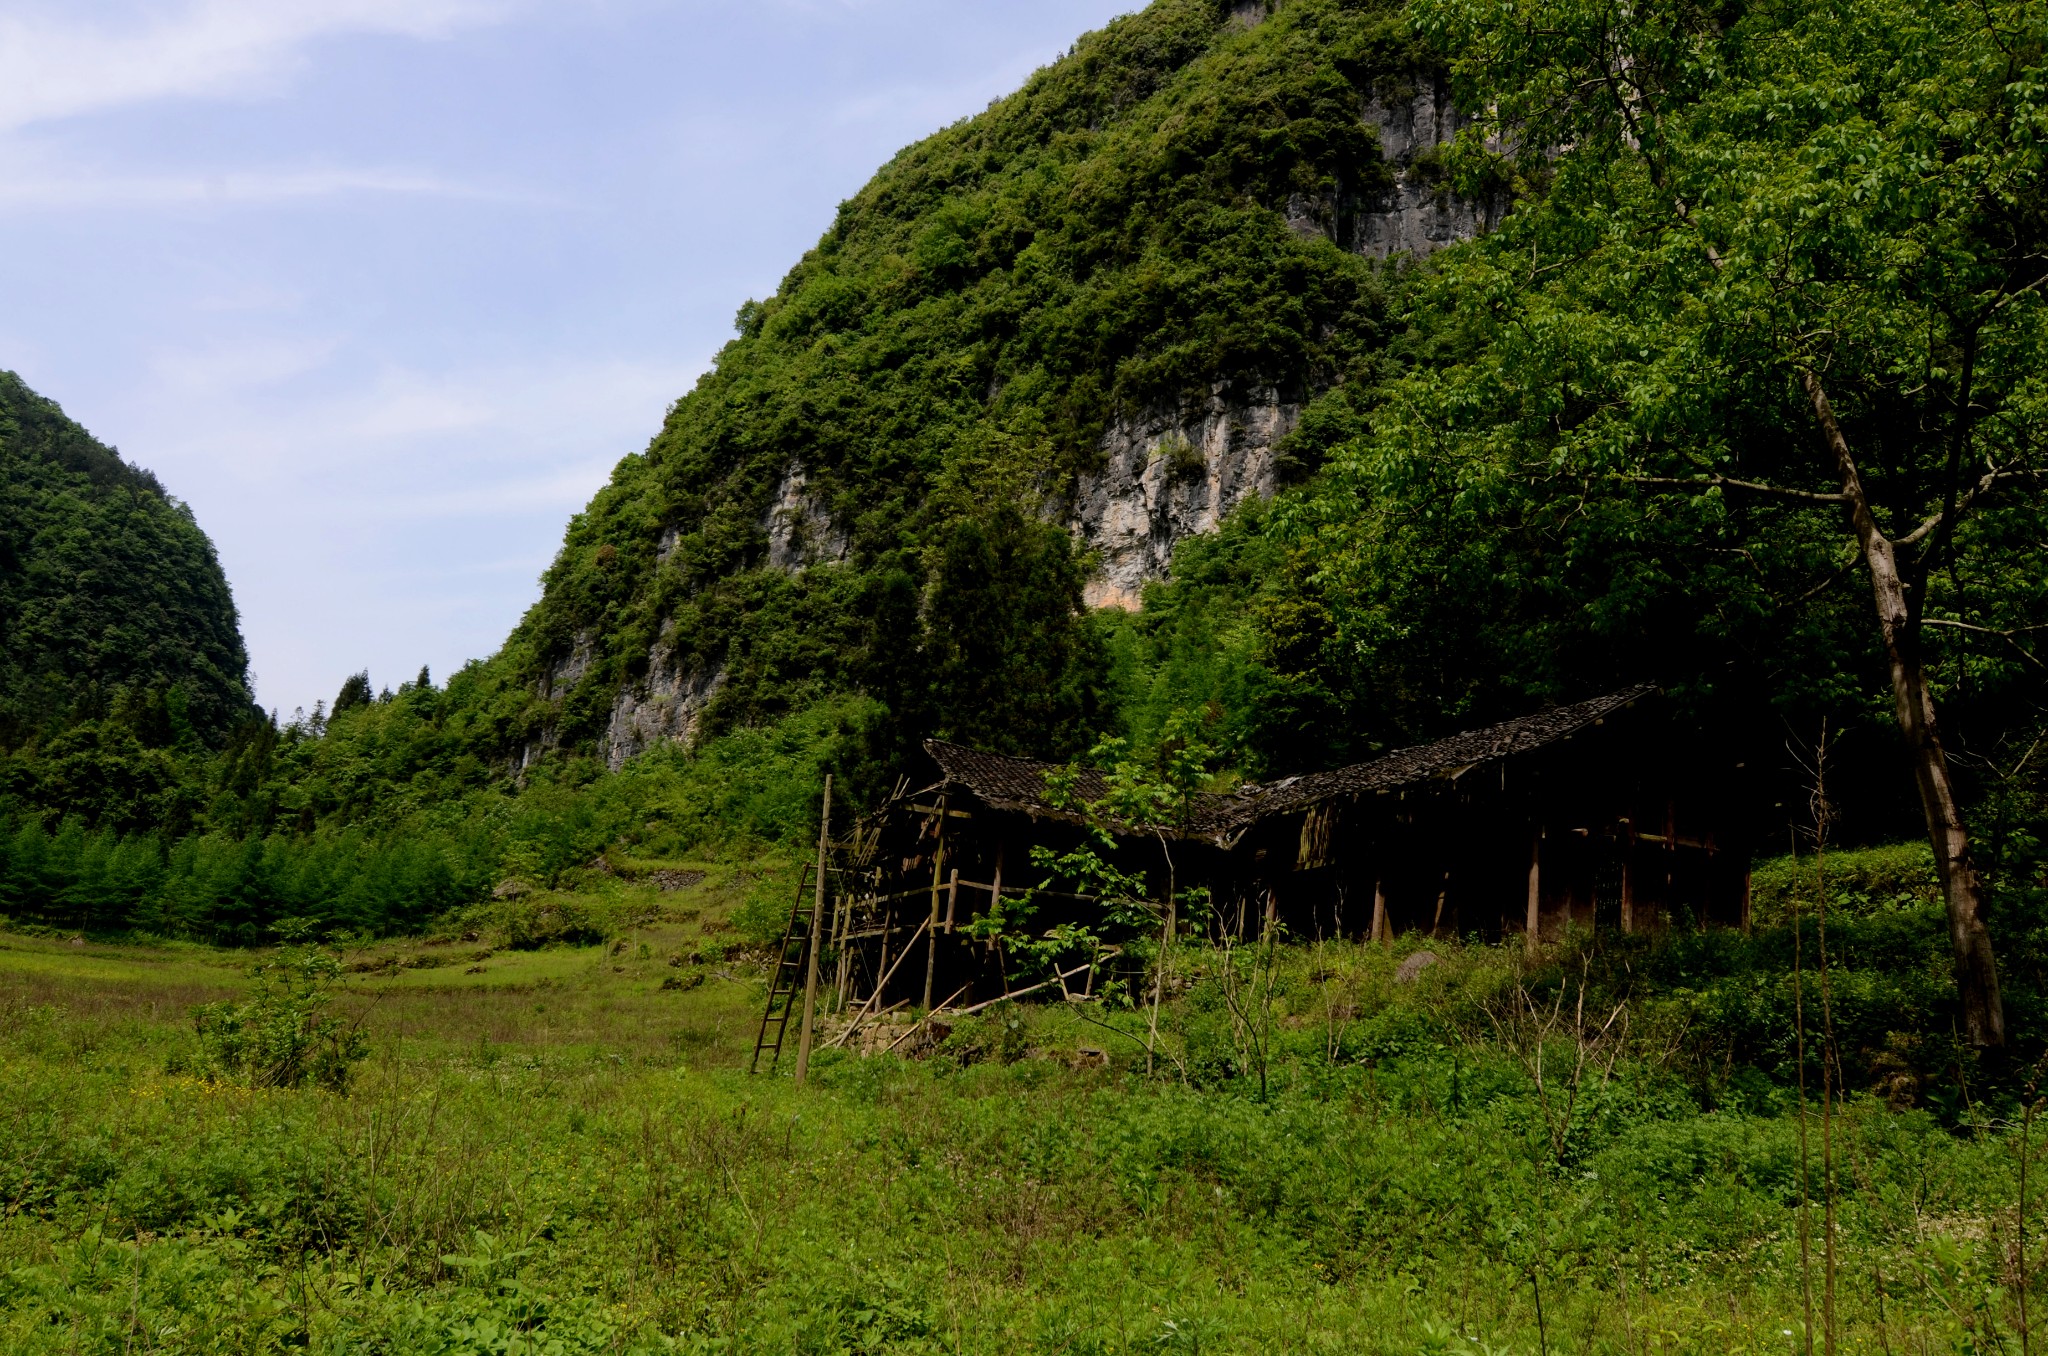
[(56, 62), (386, 513), (467, 440), (235, 189), (215, 370), (927, 106)]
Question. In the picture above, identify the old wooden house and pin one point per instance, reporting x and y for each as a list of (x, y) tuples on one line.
[(1605, 814)]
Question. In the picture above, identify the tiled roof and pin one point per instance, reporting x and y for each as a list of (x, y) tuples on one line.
[(1008, 783), (1406, 767), (1019, 783)]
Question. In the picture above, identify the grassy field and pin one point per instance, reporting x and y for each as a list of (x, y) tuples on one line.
[(556, 1150)]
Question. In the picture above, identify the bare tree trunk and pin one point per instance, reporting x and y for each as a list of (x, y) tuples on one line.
[(1976, 970)]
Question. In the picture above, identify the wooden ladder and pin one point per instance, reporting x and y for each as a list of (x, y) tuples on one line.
[(786, 986)]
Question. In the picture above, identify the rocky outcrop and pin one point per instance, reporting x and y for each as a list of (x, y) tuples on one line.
[(1169, 476), (1418, 214), (800, 532), (665, 706), (565, 673), (1175, 474)]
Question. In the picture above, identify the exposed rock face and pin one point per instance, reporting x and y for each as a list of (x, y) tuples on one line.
[(800, 532), (1417, 215), (1175, 474), (567, 672), (1170, 476), (666, 705), (560, 679)]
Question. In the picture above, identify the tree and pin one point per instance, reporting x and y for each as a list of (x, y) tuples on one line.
[(1013, 663), (1775, 253), (355, 691)]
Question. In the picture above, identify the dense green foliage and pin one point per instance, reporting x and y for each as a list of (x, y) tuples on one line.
[(382, 819), (111, 600), (1562, 492)]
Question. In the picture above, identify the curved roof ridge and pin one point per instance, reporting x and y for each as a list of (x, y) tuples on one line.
[(1005, 782), (1453, 753)]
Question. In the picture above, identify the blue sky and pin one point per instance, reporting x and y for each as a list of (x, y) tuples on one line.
[(383, 288)]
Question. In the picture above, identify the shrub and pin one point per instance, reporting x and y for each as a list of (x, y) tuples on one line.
[(282, 1037)]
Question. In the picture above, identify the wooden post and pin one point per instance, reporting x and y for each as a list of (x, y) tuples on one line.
[(1535, 891), (803, 1040), (995, 901), (1381, 933), (842, 923), (1628, 882), (931, 941), (952, 899)]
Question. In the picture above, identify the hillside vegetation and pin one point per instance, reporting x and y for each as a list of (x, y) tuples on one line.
[(116, 623), (1110, 238)]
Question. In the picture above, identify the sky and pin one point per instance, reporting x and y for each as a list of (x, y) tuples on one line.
[(384, 288)]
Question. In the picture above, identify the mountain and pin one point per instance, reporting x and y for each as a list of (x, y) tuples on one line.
[(112, 601), (1033, 354)]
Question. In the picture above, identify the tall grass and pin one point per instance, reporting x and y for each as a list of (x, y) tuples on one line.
[(556, 1154)]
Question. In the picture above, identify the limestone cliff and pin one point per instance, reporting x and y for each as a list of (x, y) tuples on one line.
[(1116, 293), (1170, 477), (1175, 474)]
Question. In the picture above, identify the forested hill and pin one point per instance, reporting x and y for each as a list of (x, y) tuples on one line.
[(1431, 425), (1034, 351), (1395, 423), (112, 604)]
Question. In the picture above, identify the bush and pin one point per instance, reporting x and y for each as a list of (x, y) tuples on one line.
[(1860, 882), (528, 922), (282, 1037)]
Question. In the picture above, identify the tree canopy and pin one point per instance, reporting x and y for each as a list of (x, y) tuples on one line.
[(111, 599)]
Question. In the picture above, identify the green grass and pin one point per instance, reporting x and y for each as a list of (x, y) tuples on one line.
[(558, 1154)]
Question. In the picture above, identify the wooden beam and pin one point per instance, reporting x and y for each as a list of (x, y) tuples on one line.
[(995, 899), (842, 923), (931, 945), (1381, 932), (1059, 977), (803, 1039), (1628, 880), (882, 965), (1535, 891)]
